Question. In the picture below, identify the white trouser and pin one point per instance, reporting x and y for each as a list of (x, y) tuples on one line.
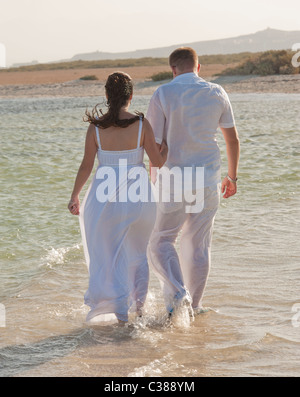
[(189, 270)]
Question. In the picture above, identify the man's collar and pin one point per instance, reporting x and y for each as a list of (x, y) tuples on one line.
[(186, 76)]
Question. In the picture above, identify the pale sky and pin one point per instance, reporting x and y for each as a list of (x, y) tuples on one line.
[(50, 30)]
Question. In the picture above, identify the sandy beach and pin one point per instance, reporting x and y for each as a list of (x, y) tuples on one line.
[(67, 83)]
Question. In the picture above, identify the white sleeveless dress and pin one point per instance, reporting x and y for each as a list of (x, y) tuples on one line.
[(116, 221)]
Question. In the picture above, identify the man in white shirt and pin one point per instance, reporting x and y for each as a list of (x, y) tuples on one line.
[(186, 113)]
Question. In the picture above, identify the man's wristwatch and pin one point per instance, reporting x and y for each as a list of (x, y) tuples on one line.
[(230, 179)]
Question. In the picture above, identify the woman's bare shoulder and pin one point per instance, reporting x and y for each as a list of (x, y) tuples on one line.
[(146, 125)]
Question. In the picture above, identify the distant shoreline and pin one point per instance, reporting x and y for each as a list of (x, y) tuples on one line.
[(67, 83)]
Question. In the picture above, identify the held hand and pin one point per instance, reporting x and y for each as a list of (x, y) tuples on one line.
[(228, 188), (164, 148), (74, 205)]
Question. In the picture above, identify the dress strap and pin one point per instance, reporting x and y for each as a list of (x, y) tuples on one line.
[(140, 132), (98, 138)]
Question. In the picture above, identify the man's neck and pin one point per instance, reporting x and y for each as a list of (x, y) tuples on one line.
[(183, 73), (177, 72)]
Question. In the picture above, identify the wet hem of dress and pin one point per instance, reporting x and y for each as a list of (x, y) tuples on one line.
[(105, 316)]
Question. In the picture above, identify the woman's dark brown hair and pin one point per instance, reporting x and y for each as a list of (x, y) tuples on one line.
[(118, 90)]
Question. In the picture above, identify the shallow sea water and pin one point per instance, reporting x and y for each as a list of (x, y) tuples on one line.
[(253, 327)]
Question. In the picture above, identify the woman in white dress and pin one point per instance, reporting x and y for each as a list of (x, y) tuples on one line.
[(118, 212)]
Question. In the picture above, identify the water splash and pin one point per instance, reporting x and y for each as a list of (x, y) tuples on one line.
[(157, 367), (183, 317), (57, 256)]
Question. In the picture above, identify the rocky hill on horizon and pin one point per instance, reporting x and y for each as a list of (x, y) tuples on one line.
[(268, 39)]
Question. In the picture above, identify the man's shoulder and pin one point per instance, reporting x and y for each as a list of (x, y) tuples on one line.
[(162, 89), (176, 86), (211, 85), (217, 89)]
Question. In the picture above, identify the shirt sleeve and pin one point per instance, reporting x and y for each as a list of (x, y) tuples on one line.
[(227, 117), (156, 117)]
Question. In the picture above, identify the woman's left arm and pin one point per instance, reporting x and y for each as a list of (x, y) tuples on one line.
[(85, 169), (157, 153)]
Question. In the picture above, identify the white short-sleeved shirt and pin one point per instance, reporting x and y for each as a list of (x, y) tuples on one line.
[(187, 113)]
